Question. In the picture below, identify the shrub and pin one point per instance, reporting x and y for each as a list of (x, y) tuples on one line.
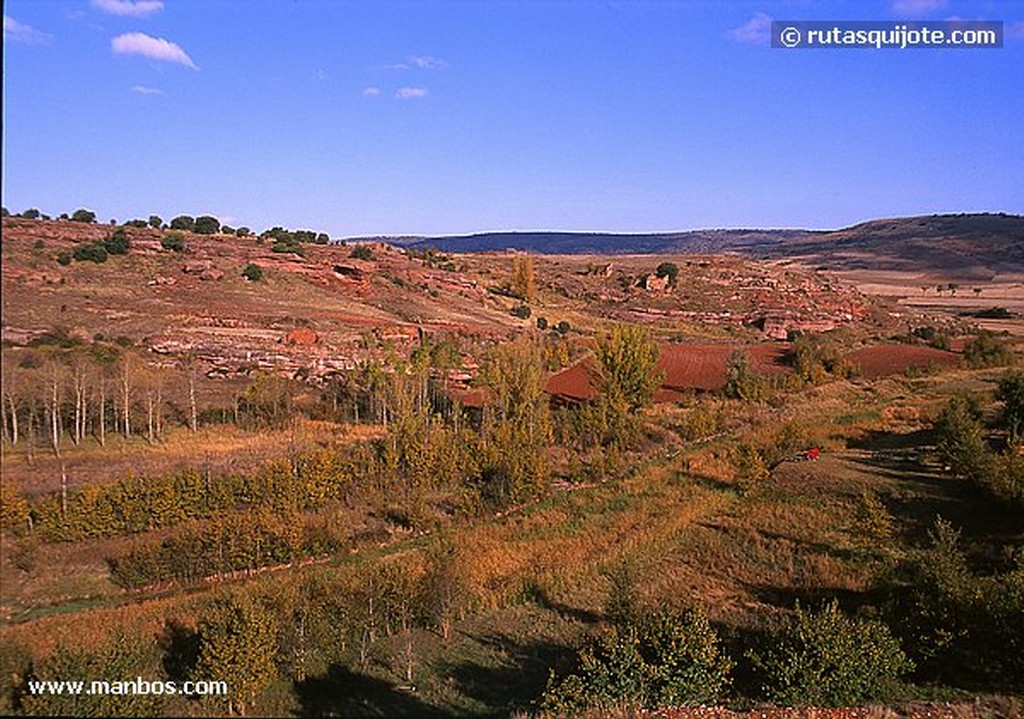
[(173, 241), (253, 273), (83, 216), (288, 245), (117, 243), (207, 225), (669, 270), (1011, 394), (155, 221), (91, 252), (664, 659), (961, 628), (562, 327), (961, 444), (521, 311), (542, 323), (828, 658), (243, 232), (987, 351), (361, 252), (183, 222), (64, 258)]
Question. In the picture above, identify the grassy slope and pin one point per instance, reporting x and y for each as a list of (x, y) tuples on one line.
[(678, 518)]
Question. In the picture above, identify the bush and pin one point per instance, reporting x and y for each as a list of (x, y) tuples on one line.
[(987, 351), (961, 442), (361, 252), (183, 222), (155, 221), (253, 273), (669, 270), (289, 245), (664, 659), (521, 311), (173, 241), (206, 225), (961, 628), (826, 658), (117, 243), (1011, 394), (562, 328), (64, 258), (243, 232), (90, 252), (83, 216)]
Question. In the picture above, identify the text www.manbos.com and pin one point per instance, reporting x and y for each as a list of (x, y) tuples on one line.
[(135, 687), (946, 34)]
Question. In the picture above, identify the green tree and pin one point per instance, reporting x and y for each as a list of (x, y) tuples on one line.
[(206, 225), (741, 382), (828, 658), (183, 222), (518, 427), (961, 443), (1011, 394), (628, 366), (987, 350), (669, 270), (155, 221), (237, 643), (33, 214), (83, 215), (243, 232), (361, 252), (664, 659)]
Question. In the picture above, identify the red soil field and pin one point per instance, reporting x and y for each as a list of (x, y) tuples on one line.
[(885, 360), (686, 367)]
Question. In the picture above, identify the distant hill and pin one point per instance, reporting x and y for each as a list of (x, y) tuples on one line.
[(966, 244), (975, 244), (606, 243)]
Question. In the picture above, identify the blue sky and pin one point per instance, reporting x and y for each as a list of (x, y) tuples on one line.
[(423, 117)]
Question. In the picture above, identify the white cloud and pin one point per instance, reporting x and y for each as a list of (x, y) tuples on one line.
[(419, 62), (15, 31), (425, 62), (155, 48), (411, 93), (755, 31), (145, 90), (129, 8), (913, 8), (371, 91)]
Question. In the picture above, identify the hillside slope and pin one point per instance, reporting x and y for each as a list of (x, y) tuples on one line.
[(969, 244)]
